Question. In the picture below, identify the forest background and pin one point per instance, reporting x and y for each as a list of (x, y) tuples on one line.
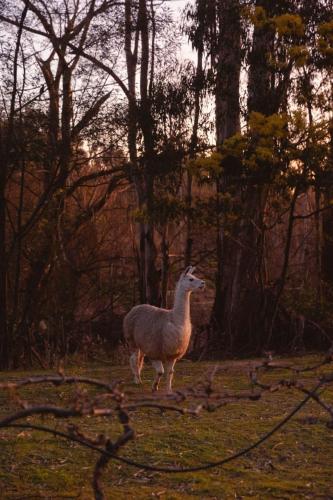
[(122, 162)]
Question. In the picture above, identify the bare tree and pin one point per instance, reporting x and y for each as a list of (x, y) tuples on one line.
[(60, 166)]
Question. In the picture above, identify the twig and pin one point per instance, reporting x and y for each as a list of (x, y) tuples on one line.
[(155, 468), (59, 380), (209, 401)]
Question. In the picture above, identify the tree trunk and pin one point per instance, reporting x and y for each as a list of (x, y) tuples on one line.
[(327, 235), (139, 116), (153, 294), (165, 267), (4, 341), (6, 142), (242, 306), (327, 251), (227, 124), (199, 75)]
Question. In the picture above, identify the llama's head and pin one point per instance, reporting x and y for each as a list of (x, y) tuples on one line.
[(189, 282)]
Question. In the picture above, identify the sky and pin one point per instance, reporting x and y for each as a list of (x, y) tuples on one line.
[(177, 6)]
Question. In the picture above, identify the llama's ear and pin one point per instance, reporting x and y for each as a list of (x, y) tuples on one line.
[(189, 270)]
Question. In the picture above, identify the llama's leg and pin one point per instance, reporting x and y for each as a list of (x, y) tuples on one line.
[(141, 358), (169, 367), (159, 372), (135, 366)]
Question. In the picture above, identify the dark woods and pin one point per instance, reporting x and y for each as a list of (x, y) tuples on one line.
[(122, 162)]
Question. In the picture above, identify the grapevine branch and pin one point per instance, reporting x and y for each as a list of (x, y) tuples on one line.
[(113, 402)]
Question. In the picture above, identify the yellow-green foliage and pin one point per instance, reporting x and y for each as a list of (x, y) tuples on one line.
[(257, 16), (309, 142), (253, 148), (326, 31), (268, 144), (264, 132), (295, 463), (288, 27), (269, 127), (325, 41), (299, 54), (207, 166), (289, 24), (284, 24), (234, 146)]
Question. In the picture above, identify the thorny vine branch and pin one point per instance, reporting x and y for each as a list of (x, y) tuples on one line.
[(113, 402)]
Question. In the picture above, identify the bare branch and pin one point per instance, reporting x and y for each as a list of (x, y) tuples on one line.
[(210, 401)]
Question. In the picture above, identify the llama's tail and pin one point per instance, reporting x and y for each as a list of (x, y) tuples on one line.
[(128, 329)]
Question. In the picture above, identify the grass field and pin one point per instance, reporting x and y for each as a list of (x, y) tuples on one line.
[(295, 463)]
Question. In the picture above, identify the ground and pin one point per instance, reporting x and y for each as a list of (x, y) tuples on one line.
[(297, 462)]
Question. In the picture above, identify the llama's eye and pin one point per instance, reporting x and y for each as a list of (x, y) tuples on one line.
[(191, 279)]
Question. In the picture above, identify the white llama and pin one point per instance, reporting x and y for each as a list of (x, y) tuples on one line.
[(163, 335)]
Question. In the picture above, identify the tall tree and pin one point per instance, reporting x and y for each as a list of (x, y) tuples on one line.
[(54, 167), (227, 90), (6, 145)]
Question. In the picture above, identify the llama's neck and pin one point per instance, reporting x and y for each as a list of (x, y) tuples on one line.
[(181, 307)]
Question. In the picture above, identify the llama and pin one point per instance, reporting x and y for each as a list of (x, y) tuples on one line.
[(163, 335)]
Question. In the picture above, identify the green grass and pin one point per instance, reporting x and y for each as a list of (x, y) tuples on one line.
[(297, 462)]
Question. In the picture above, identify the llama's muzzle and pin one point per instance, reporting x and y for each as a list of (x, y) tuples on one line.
[(203, 284)]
